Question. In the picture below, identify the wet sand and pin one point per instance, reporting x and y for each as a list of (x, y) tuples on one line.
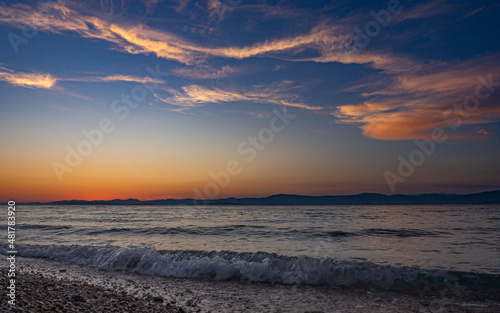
[(48, 286)]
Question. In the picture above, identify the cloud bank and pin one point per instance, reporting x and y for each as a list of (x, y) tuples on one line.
[(410, 105)]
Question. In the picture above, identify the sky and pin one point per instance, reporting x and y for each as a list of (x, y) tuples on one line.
[(211, 99)]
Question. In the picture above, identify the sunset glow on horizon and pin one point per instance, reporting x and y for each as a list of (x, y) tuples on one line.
[(180, 99)]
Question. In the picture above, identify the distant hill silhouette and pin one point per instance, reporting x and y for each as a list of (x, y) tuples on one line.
[(489, 197)]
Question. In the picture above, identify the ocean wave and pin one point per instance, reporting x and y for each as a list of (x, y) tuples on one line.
[(251, 230), (398, 232), (268, 268), (46, 226), (202, 231)]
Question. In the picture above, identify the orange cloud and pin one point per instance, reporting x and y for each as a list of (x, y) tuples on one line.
[(425, 9), (206, 72), (195, 95), (114, 78), (410, 105), (326, 41), (27, 80), (47, 81), (485, 132)]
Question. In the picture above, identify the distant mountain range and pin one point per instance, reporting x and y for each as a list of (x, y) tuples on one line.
[(490, 197)]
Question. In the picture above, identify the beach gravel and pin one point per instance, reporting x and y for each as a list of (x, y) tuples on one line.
[(51, 286), (37, 293)]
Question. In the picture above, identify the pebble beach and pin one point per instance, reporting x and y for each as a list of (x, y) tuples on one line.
[(40, 293), (49, 286)]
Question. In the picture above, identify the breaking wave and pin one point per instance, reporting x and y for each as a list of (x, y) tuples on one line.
[(266, 267)]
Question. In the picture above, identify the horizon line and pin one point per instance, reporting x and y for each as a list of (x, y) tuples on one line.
[(264, 197)]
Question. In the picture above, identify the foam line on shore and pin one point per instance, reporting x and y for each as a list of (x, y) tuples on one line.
[(267, 268)]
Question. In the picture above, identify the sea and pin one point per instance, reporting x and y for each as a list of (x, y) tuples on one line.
[(412, 248)]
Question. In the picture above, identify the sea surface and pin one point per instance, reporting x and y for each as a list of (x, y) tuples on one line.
[(420, 247)]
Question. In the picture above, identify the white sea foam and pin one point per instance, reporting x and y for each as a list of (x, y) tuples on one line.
[(253, 267)]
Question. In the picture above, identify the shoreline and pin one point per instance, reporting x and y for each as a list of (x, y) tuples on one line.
[(61, 287), (39, 293)]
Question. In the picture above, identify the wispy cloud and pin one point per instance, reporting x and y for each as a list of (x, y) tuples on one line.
[(48, 81), (205, 72), (110, 6), (217, 9), (326, 43), (486, 131), (270, 11), (27, 80), (475, 11), (150, 5), (405, 102), (196, 95), (425, 9), (410, 105), (181, 5), (115, 78)]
